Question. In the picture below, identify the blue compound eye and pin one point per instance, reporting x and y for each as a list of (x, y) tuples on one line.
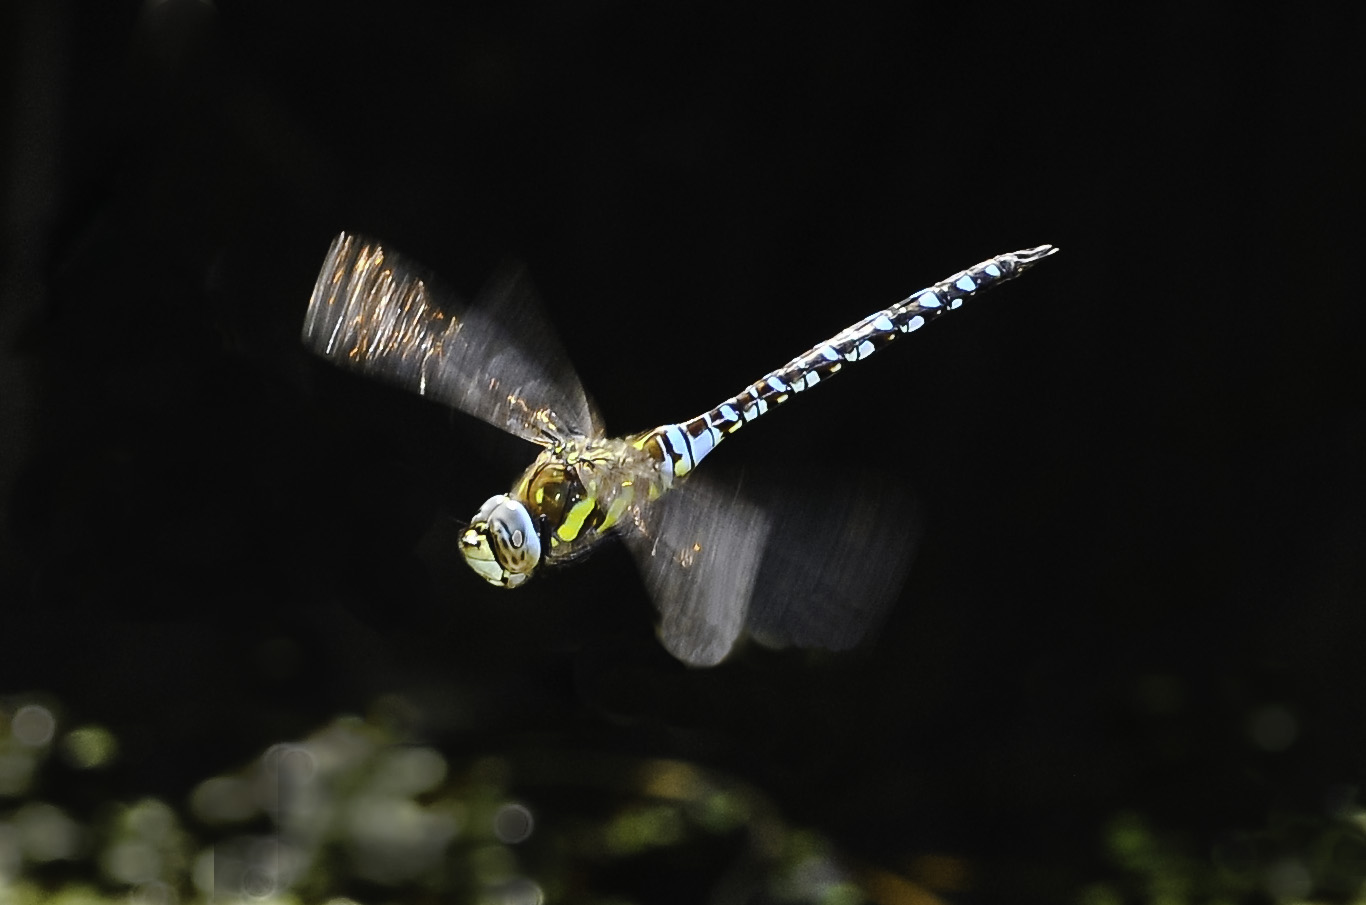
[(502, 544), (515, 541)]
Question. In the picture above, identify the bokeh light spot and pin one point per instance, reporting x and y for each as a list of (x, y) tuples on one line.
[(410, 771), (152, 819), (222, 799), (131, 861), (670, 779), (89, 747), (517, 891), (33, 725), (46, 833), (720, 812), (513, 823), (637, 829), (290, 763), (1128, 837)]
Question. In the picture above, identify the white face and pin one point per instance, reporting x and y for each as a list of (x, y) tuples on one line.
[(502, 543)]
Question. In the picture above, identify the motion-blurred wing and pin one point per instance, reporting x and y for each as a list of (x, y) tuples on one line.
[(699, 550), (375, 312), (835, 561), (815, 566)]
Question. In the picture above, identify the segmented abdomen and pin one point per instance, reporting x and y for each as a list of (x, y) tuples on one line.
[(685, 444)]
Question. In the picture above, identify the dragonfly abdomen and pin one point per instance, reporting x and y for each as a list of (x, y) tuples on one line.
[(686, 444)]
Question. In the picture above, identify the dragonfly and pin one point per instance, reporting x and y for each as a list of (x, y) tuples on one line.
[(717, 564)]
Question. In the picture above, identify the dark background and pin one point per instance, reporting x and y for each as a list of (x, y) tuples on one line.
[(1139, 599)]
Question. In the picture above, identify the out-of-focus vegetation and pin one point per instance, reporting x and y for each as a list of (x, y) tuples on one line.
[(1297, 859), (358, 813), (355, 812)]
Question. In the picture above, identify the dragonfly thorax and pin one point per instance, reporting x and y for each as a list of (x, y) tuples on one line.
[(576, 493), (502, 543)]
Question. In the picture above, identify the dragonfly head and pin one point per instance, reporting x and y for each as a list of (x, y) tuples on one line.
[(502, 543)]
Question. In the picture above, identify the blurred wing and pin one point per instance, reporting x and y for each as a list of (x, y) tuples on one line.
[(814, 566), (699, 548), (835, 561), (375, 312)]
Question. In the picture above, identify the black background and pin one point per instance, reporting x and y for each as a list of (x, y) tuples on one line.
[(1142, 462)]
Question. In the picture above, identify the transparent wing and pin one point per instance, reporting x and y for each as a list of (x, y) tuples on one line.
[(699, 549), (814, 566), (836, 560), (375, 312)]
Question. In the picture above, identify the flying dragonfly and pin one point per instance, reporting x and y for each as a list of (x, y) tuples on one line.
[(716, 564)]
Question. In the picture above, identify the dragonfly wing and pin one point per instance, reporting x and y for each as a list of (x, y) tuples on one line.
[(378, 313), (699, 549), (835, 561)]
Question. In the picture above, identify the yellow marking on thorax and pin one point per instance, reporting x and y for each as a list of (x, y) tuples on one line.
[(623, 499), (573, 519)]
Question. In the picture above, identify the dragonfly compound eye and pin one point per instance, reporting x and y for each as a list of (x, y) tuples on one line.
[(502, 543)]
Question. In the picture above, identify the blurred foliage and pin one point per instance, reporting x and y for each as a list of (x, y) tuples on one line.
[(1294, 859), (357, 813)]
